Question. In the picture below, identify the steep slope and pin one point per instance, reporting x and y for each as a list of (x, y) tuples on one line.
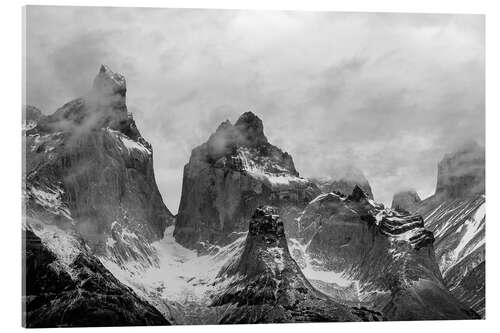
[(343, 179), (456, 214), (374, 256), (266, 285), (89, 172), (230, 175), (67, 286), (89, 169), (406, 201)]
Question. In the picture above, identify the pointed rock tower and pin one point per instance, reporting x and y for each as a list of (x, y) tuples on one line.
[(229, 176), (267, 285), (88, 169)]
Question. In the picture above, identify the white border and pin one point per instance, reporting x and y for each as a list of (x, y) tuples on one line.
[(10, 191)]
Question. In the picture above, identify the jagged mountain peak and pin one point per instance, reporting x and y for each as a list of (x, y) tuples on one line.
[(266, 246), (109, 82), (251, 128), (248, 131), (241, 170), (357, 194), (266, 224), (104, 106)]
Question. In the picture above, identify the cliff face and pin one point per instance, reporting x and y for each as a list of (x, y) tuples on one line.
[(67, 286), (266, 285), (88, 169), (89, 176), (387, 257), (462, 172), (406, 201), (456, 214), (230, 175)]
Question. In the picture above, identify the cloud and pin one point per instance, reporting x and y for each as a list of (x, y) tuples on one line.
[(389, 93)]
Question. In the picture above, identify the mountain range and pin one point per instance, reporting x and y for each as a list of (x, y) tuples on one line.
[(253, 241)]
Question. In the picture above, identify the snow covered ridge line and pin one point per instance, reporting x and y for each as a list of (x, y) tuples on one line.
[(128, 144), (65, 246), (267, 169)]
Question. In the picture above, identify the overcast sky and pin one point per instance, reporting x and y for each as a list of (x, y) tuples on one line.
[(389, 93)]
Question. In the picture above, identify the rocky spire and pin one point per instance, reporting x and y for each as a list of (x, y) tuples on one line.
[(268, 285), (357, 194), (109, 82), (251, 128)]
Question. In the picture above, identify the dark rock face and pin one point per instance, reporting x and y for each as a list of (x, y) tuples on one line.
[(77, 292), (461, 173), (389, 255), (230, 175), (406, 201), (89, 169), (343, 180), (456, 214), (267, 286)]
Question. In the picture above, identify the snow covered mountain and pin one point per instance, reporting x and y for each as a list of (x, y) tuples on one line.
[(456, 214), (89, 169), (253, 241), (359, 252), (89, 172), (229, 176)]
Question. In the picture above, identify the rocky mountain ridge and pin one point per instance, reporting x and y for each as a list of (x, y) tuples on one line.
[(386, 257), (253, 241)]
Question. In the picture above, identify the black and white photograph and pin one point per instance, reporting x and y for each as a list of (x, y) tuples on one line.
[(186, 166)]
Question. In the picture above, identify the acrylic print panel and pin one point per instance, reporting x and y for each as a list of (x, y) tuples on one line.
[(219, 166)]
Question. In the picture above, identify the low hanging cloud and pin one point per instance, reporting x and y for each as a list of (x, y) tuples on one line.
[(389, 93)]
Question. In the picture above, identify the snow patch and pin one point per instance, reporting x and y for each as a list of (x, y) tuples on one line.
[(181, 274), (311, 269), (261, 171), (50, 198)]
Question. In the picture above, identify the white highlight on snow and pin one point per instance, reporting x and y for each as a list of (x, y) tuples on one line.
[(51, 199), (181, 275), (110, 242), (61, 243), (472, 227), (280, 178), (311, 269), (277, 255), (129, 144)]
